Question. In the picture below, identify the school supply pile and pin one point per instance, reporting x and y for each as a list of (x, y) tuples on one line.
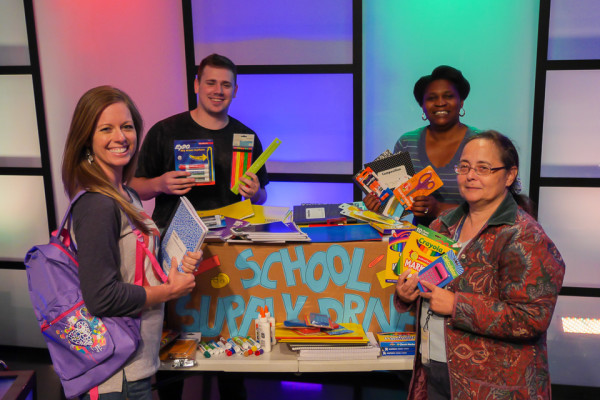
[(85, 350), (397, 343)]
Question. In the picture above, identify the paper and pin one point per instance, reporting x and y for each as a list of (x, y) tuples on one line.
[(239, 210)]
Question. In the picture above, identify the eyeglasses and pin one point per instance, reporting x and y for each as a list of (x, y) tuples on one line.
[(463, 169)]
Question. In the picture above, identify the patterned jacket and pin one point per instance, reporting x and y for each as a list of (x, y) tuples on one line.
[(504, 300)]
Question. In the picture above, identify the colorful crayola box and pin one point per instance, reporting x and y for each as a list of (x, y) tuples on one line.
[(438, 237), (419, 252), (395, 247)]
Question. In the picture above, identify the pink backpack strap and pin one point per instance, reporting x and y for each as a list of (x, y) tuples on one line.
[(141, 251)]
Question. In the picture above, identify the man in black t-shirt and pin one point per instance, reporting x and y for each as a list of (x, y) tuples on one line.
[(222, 144)]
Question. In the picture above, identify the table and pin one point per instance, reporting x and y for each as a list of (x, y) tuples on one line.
[(282, 359)]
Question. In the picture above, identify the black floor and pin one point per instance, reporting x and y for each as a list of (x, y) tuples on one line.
[(381, 385)]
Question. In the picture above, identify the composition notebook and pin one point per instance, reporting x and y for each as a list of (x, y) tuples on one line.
[(185, 232)]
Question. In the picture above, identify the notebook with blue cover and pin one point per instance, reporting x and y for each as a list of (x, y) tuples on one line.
[(185, 232), (341, 233)]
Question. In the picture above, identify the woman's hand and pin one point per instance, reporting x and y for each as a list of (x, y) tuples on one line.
[(441, 301), (190, 261), (179, 283), (406, 289), (426, 206), (372, 202)]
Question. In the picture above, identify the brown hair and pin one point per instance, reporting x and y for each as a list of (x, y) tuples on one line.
[(217, 61), (510, 158), (77, 172)]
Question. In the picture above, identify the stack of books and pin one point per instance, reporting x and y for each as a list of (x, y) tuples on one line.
[(223, 233), (273, 232), (397, 343), (328, 351)]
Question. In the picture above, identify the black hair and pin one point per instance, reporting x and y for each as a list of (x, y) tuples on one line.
[(442, 72)]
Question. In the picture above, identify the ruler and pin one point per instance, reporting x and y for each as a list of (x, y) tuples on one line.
[(258, 163)]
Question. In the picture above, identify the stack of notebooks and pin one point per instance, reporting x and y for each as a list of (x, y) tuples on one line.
[(222, 232), (273, 232), (344, 334), (397, 343), (328, 351)]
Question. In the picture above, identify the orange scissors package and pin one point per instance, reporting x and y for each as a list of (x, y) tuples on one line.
[(422, 183)]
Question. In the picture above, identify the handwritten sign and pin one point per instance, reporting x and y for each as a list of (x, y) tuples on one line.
[(291, 280)]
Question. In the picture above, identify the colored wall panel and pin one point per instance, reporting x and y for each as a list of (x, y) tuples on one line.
[(14, 48), (19, 142), (492, 42), (23, 219), (267, 32), (571, 217), (571, 125), (310, 113), (574, 30)]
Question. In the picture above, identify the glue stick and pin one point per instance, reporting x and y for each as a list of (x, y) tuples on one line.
[(271, 325)]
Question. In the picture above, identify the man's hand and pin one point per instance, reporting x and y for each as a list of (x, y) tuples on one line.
[(175, 182), (249, 186)]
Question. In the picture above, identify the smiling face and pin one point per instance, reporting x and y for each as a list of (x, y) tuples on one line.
[(483, 191), (442, 103), (215, 88), (114, 141)]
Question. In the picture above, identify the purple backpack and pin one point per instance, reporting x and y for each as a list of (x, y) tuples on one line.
[(85, 350)]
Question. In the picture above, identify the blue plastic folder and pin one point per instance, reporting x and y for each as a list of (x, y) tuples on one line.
[(341, 233)]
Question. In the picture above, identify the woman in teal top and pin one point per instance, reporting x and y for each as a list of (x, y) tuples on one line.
[(439, 144)]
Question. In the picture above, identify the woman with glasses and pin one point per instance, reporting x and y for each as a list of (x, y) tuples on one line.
[(441, 95), (483, 336)]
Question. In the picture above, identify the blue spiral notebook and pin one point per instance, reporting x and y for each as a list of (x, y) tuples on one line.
[(341, 233), (185, 232)]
